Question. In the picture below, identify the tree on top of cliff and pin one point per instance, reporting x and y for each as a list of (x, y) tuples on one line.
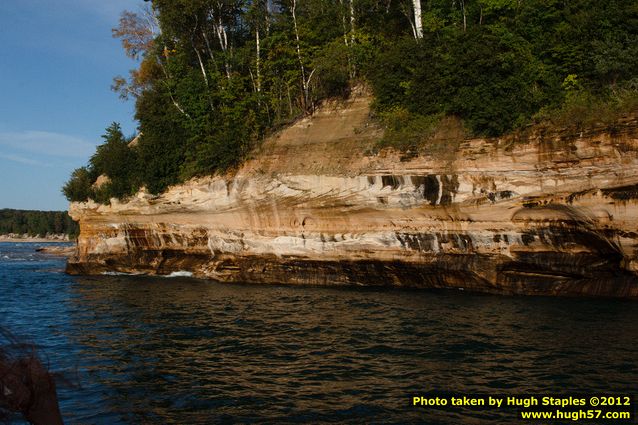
[(215, 76), (116, 160), (137, 32), (113, 159), (78, 188)]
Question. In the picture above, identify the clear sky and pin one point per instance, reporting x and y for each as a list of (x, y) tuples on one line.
[(57, 62)]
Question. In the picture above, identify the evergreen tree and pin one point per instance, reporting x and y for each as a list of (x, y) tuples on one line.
[(215, 76)]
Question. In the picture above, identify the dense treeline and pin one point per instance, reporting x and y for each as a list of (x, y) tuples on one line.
[(35, 223), (216, 76)]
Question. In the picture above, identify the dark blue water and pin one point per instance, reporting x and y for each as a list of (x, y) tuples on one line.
[(180, 351)]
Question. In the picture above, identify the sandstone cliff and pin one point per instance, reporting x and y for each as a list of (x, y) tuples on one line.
[(549, 213)]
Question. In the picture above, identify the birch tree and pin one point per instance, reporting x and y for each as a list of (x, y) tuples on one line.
[(418, 21), (259, 18), (414, 17), (304, 81)]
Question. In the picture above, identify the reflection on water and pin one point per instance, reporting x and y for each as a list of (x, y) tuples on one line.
[(154, 350)]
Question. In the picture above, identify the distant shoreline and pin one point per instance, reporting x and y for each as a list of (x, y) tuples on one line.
[(4, 238)]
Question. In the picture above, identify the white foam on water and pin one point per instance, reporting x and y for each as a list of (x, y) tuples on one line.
[(180, 273)]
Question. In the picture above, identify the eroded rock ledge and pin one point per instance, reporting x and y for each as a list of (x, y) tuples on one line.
[(553, 213)]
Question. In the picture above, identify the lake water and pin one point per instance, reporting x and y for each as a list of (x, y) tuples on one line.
[(184, 351)]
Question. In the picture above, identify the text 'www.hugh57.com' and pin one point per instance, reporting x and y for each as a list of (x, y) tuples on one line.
[(572, 408)]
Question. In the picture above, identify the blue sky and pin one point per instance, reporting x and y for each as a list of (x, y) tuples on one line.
[(57, 62)]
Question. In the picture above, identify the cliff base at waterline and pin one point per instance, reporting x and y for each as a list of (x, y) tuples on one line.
[(552, 212)]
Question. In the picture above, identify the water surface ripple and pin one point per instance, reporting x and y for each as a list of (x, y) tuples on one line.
[(184, 351)]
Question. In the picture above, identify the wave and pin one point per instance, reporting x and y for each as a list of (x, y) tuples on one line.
[(181, 273)]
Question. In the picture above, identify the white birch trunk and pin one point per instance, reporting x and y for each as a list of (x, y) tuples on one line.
[(258, 45), (201, 65), (268, 13), (304, 83), (210, 51), (464, 16), (352, 21), (418, 23), (343, 24), (223, 40), (175, 103)]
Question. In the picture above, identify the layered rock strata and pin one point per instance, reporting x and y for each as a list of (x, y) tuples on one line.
[(552, 213)]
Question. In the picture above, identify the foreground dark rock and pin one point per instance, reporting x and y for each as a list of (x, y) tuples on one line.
[(549, 212)]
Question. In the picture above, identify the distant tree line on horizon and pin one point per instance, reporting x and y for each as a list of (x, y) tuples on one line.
[(34, 223), (215, 77)]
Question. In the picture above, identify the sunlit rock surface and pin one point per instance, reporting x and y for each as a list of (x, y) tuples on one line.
[(552, 212)]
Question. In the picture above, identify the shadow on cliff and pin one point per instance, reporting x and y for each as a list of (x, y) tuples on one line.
[(564, 251)]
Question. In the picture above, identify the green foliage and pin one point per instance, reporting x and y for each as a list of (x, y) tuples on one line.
[(223, 74), (615, 57), (78, 188), (512, 60), (114, 160), (161, 149), (332, 65), (489, 91), (582, 108), (407, 131), (34, 223)]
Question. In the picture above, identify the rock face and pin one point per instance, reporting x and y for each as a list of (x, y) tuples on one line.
[(552, 213)]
